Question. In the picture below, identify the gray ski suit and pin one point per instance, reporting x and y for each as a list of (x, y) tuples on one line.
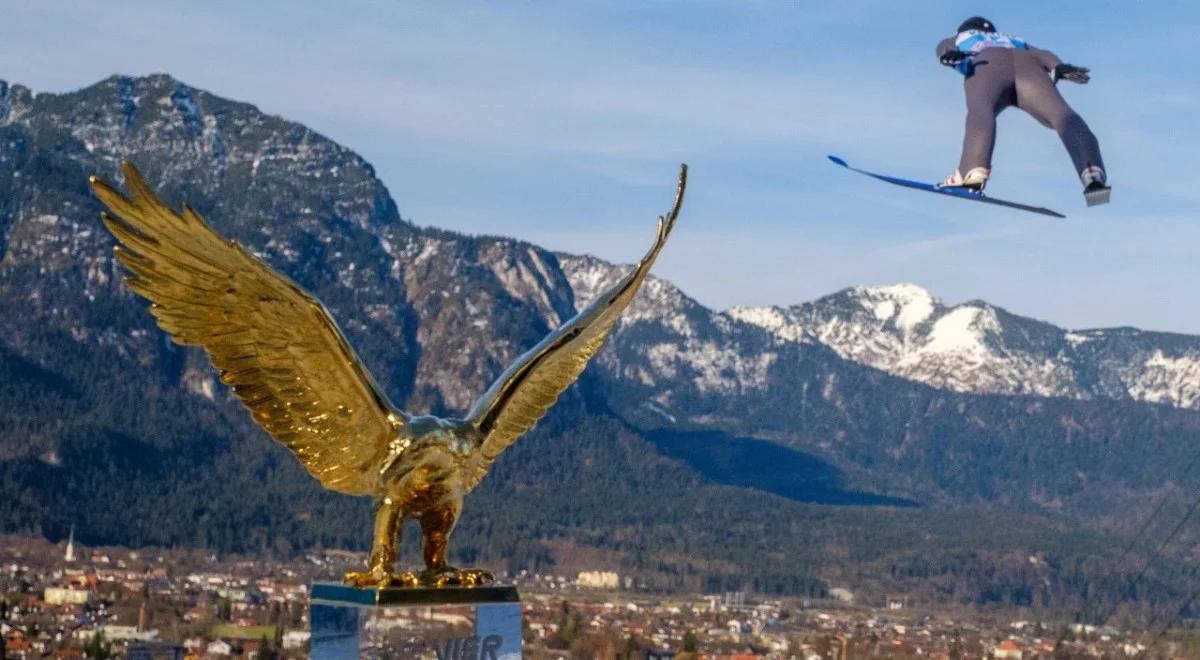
[(1003, 71)]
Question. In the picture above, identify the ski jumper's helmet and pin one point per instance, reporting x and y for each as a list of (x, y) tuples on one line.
[(977, 23)]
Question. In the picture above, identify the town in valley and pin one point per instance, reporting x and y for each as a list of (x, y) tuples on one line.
[(63, 600)]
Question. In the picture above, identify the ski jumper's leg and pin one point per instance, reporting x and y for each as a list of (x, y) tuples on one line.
[(1037, 95), (989, 90)]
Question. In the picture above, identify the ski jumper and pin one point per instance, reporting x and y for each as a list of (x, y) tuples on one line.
[(1003, 71)]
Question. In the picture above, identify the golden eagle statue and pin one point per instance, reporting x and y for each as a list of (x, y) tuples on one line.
[(285, 358)]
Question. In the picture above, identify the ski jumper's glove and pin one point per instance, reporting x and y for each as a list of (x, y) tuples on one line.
[(953, 57), (1076, 74)]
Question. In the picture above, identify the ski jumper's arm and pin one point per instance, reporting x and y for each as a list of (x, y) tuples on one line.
[(1047, 59), (945, 46), (949, 55), (1057, 69)]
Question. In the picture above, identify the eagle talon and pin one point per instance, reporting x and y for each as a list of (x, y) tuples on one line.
[(448, 576), (381, 579), (362, 578), (407, 579), (475, 577)]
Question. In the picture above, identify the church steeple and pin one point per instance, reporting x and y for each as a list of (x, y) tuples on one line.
[(70, 554)]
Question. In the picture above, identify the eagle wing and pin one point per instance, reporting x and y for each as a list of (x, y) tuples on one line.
[(527, 389), (274, 344)]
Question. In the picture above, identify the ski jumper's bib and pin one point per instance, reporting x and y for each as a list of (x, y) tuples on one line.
[(975, 41)]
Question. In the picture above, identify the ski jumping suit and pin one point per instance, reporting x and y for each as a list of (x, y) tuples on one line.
[(1002, 71)]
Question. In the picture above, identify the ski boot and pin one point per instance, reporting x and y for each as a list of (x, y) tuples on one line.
[(975, 180), (1095, 185)]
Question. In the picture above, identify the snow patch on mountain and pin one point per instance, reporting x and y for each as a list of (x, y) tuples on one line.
[(709, 366), (962, 330), (1077, 338), (526, 281), (1168, 380), (773, 319)]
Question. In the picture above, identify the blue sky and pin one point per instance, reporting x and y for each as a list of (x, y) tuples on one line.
[(564, 122)]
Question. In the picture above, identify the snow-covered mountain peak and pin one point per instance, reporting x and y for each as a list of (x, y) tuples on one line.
[(905, 305), (976, 347), (901, 294)]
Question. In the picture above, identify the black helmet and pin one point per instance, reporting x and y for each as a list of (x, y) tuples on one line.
[(977, 23)]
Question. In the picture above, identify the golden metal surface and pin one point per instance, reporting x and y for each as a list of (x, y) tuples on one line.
[(286, 359)]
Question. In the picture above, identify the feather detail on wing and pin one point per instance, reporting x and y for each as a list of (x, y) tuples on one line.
[(274, 344), (527, 389)]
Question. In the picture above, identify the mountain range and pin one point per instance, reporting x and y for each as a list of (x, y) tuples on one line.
[(977, 347), (871, 429)]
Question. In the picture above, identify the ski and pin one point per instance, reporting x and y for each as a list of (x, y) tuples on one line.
[(951, 191)]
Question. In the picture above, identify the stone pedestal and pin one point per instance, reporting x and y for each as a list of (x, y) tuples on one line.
[(480, 623)]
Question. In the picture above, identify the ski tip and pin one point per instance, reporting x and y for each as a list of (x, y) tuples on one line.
[(1041, 210), (839, 161)]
